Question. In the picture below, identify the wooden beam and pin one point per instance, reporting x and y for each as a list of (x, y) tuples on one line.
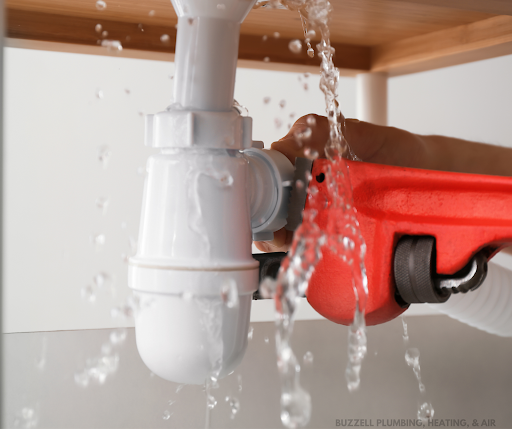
[(80, 30), (480, 40), (495, 7)]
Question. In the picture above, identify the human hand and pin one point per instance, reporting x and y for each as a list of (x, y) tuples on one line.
[(371, 143)]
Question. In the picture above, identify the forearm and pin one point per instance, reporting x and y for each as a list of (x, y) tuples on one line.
[(451, 154)]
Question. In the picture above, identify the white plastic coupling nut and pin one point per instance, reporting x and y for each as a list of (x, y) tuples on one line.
[(271, 178), (186, 129)]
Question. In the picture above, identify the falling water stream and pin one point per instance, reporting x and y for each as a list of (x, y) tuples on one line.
[(342, 235)]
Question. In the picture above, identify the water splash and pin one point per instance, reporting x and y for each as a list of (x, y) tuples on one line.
[(412, 357), (118, 336), (27, 417), (111, 45), (341, 236), (97, 370), (405, 335), (234, 405), (425, 412)]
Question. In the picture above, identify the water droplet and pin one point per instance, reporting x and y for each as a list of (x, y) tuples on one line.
[(140, 27), (299, 184), (98, 28), (405, 336), (266, 59), (167, 415), (221, 6), (264, 38), (229, 294), (276, 35), (179, 388), (306, 75), (305, 86), (100, 279), (426, 412), (308, 358), (295, 46), (311, 121), (151, 13), (211, 402), (234, 405), (311, 52), (239, 379), (104, 155), (266, 339), (87, 293), (250, 333), (98, 241), (310, 34), (99, 94), (104, 34), (101, 5), (278, 123), (412, 357), (127, 91), (164, 38), (102, 204), (118, 336), (266, 100), (282, 104), (112, 45)]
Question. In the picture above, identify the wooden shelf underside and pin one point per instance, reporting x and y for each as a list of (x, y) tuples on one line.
[(392, 36)]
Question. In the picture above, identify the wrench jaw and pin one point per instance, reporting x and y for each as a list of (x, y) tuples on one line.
[(415, 275)]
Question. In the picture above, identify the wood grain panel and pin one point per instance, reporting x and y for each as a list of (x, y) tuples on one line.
[(78, 30), (354, 22), (496, 7), (487, 38)]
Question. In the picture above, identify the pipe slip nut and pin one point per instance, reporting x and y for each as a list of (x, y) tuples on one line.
[(179, 128)]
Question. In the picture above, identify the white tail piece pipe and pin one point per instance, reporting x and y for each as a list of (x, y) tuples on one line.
[(207, 194), (488, 308)]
